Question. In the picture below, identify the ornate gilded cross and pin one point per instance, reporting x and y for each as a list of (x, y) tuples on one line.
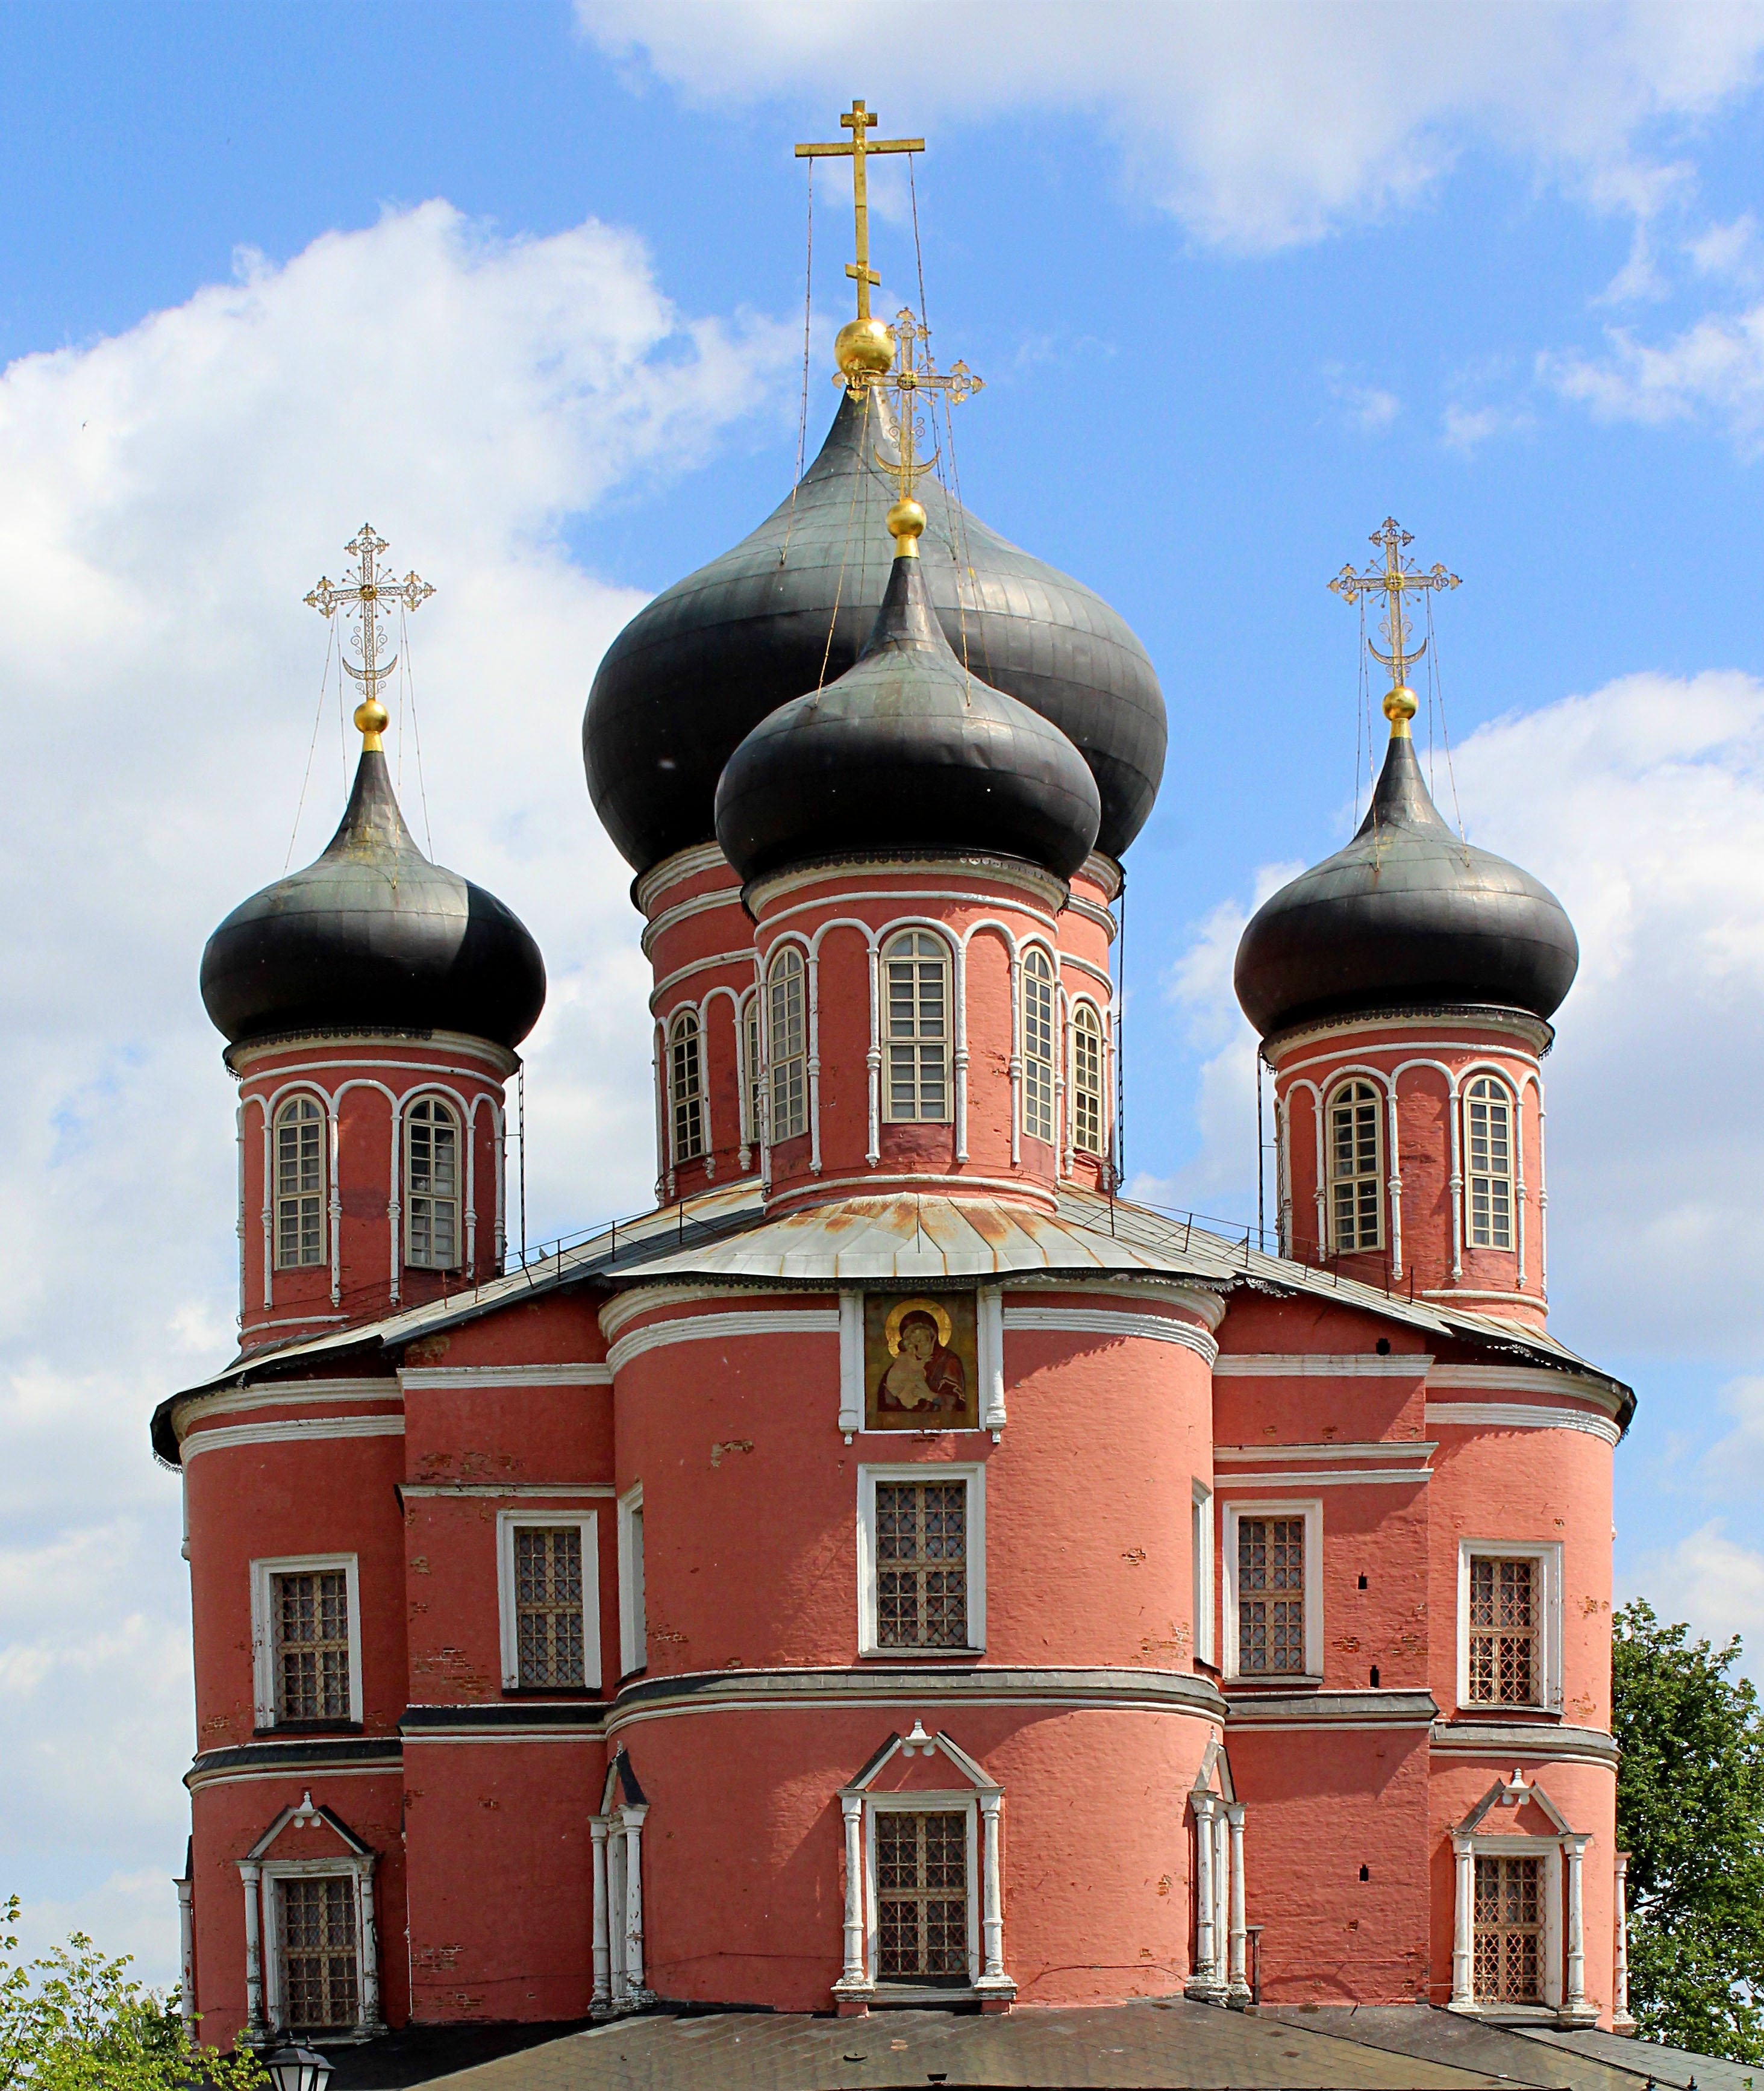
[(914, 373), (858, 122), (360, 596), (1393, 580)]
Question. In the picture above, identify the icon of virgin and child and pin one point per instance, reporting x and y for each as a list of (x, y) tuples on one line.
[(918, 1378)]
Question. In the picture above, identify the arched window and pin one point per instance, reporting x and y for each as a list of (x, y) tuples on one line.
[(1356, 1149), (916, 969), (1488, 1129), (299, 1183), (686, 1084), (756, 1095), (1038, 1045), (1086, 1080), (785, 1051), (432, 1185)]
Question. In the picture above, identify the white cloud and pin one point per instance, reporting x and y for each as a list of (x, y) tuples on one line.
[(170, 495), (1712, 371), (1256, 126), (1714, 1583), (1467, 428), (1369, 408), (1734, 252), (1734, 1464)]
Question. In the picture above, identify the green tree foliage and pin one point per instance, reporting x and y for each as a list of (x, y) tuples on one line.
[(76, 2021), (1690, 1812)]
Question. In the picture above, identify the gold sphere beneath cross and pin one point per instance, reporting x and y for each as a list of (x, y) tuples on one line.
[(864, 348), (906, 522), (1400, 706), (372, 718)]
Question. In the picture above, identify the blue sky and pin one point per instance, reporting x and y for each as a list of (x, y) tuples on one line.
[(524, 283)]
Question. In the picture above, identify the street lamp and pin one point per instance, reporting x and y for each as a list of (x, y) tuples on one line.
[(297, 2068)]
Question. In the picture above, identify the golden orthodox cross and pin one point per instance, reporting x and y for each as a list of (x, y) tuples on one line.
[(915, 373), (361, 596), (858, 122), (1393, 580)]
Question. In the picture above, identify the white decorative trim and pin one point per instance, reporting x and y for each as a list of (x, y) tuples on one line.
[(989, 1347), (974, 1473), (282, 1394), (633, 1608), (691, 862), (263, 1626), (1204, 1572), (452, 1046), (1141, 1287), (537, 1491), (625, 1307), (702, 904), (428, 1379), (1316, 1477), (704, 1328), (1148, 1326), (1538, 1741), (1522, 1379), (936, 1183), (1050, 892), (1547, 1555), (1387, 1449), (1366, 1033), (357, 1865), (586, 1524), (1283, 1507), (851, 1386), (1521, 1416), (1323, 1364), (294, 1430)]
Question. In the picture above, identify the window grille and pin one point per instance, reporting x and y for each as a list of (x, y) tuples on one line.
[(922, 1897), (687, 1085), (432, 1185), (311, 1624), (1505, 1626), (1038, 1045), (785, 1041), (922, 1564), (1355, 1144), (1489, 1113), (1271, 1596), (548, 1603), (1086, 1080), (756, 1088), (917, 969), (320, 1974), (299, 1183), (1509, 1930)]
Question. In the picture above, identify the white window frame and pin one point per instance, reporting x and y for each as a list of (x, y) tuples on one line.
[(749, 1015), (1380, 1169), (1552, 1987), (1510, 1176), (587, 1523), (435, 1099), (964, 1801), (1310, 1509), (683, 1025), (974, 1473), (339, 1867), (277, 1200), (1547, 1555), (263, 1626), (1086, 1008), (1050, 1065), (778, 1066), (633, 1584), (946, 958), (1205, 1575)]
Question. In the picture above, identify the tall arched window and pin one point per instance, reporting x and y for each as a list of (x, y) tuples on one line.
[(299, 1183), (432, 1185), (1356, 1150), (785, 1033), (686, 1086), (756, 1095), (1038, 1045), (1086, 1080), (915, 968), (1488, 1131)]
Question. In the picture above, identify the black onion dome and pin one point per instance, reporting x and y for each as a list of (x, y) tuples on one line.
[(1407, 915), (905, 752), (700, 667), (373, 936)]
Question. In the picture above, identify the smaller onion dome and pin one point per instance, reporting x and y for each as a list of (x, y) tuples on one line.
[(373, 936), (1407, 915), (906, 752)]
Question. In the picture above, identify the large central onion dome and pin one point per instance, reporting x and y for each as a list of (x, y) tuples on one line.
[(1407, 915), (907, 750), (373, 936), (713, 656)]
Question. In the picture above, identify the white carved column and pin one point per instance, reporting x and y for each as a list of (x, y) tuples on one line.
[(1017, 1059), (1206, 1959), (872, 1153), (1238, 1955), (1395, 1186), (813, 1069), (1621, 2019), (369, 2005), (1574, 1850), (335, 1206), (257, 2024), (269, 1207), (186, 1955), (1455, 1113), (991, 1893), (633, 1826), (855, 1974), (1221, 1890), (603, 1961), (959, 1034), (1463, 1925)]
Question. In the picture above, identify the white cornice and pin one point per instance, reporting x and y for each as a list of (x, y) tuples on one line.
[(451, 1045), (292, 1430), (1102, 870), (1513, 1742), (1318, 1477), (1512, 1023), (1209, 1306), (685, 864), (426, 1379), (1146, 1326), (700, 903), (1323, 1364), (1052, 892), (1522, 1379), (1520, 1415), (1407, 1448), (285, 1393), (704, 1328), (624, 1306)]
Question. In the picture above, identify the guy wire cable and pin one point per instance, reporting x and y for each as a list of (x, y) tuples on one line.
[(330, 641), (802, 426), (416, 730)]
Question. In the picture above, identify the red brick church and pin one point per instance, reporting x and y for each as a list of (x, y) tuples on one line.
[(896, 1569)]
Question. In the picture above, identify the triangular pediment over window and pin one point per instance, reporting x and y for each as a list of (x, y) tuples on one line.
[(919, 1763), (304, 1831)]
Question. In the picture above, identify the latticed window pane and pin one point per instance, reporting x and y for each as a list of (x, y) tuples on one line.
[(922, 1897), (299, 1183), (548, 1603), (1489, 1129), (319, 1975), (1505, 1624), (432, 1185), (312, 1645), (1271, 1595), (1509, 1930), (686, 1082), (1086, 1082), (1038, 1047), (785, 1039), (1356, 1208), (922, 1564), (916, 973)]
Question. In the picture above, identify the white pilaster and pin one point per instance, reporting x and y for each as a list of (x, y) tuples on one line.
[(1017, 1058), (1621, 2019), (1206, 1975), (959, 1030), (186, 1955), (1221, 1890), (855, 1974), (369, 1931), (991, 1893), (1463, 1925), (257, 2024), (1395, 1186), (633, 1826), (1238, 1956), (814, 1069), (1574, 2003), (603, 1961), (872, 1153), (990, 1346)]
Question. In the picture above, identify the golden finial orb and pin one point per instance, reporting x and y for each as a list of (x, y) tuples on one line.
[(906, 522), (1400, 708), (864, 348), (372, 719)]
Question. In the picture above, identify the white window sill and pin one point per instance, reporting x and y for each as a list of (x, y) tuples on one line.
[(1276, 1680), (1490, 1710), (920, 1654)]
